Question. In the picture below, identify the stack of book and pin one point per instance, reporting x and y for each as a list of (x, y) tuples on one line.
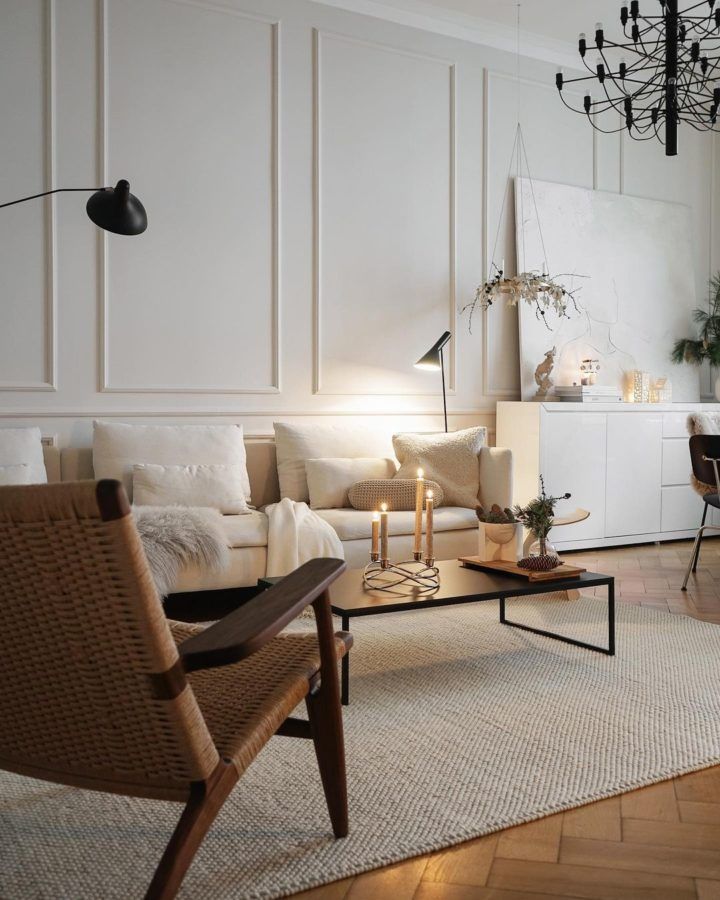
[(588, 393)]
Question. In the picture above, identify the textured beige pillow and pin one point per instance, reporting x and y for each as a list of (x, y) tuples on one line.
[(398, 493), (453, 460), (16, 474), (330, 479)]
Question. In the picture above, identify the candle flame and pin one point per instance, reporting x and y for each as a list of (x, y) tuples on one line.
[(376, 516), (383, 507), (420, 473), (429, 495)]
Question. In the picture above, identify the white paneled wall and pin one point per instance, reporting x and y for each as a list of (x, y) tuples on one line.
[(323, 191)]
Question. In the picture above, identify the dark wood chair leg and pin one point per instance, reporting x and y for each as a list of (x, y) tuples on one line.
[(206, 800), (326, 726)]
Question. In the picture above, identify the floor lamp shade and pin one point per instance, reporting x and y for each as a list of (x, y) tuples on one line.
[(117, 210), (434, 360)]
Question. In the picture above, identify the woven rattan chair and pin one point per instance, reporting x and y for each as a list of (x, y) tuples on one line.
[(100, 691)]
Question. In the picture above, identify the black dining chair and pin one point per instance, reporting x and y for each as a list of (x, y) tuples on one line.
[(705, 459)]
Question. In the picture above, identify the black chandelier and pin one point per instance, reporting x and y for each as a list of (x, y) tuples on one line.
[(664, 73)]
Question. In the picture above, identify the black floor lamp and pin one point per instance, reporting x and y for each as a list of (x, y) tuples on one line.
[(434, 359), (114, 209)]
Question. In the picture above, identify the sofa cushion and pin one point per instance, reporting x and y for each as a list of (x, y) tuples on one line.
[(218, 487), (329, 480), (452, 459), (16, 474), (397, 493), (248, 530), (117, 447), (296, 443), (23, 445), (354, 524)]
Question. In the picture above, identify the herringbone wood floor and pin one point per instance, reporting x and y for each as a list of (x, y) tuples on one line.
[(661, 842)]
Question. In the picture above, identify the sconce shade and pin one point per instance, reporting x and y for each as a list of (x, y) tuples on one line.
[(117, 210), (432, 360)]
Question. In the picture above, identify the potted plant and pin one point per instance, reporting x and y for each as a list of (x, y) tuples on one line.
[(707, 345), (538, 517)]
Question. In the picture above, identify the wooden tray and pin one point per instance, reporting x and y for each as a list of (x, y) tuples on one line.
[(562, 571)]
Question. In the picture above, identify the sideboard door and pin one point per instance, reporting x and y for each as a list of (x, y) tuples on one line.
[(573, 459), (634, 474)]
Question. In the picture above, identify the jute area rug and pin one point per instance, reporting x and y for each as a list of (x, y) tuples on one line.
[(458, 726)]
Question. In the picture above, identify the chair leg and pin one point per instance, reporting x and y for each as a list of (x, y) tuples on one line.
[(696, 556), (206, 800), (326, 725), (324, 713)]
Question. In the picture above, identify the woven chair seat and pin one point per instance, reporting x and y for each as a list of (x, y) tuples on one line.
[(265, 689)]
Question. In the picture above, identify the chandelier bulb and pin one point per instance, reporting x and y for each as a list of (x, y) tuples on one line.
[(695, 51), (623, 15), (559, 79), (582, 44), (599, 35), (623, 68), (717, 18), (682, 32), (634, 9), (635, 33), (587, 102)]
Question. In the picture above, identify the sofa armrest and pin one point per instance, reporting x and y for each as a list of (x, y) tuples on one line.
[(496, 476)]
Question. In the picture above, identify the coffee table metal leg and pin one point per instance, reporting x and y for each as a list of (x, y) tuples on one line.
[(609, 650), (345, 675)]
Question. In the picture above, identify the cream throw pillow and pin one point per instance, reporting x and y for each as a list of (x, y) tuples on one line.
[(297, 443), (219, 487), (19, 474), (20, 446), (117, 447), (329, 480), (453, 460)]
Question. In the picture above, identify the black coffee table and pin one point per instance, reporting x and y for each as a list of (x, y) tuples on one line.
[(349, 599)]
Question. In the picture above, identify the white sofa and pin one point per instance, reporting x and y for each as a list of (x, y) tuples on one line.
[(455, 527)]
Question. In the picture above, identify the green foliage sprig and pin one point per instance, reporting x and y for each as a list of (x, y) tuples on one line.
[(707, 346), (538, 515)]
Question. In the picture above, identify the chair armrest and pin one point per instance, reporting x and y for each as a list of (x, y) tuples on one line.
[(247, 629)]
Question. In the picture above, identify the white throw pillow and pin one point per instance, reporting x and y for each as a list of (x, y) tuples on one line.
[(20, 446), (117, 447), (329, 480), (19, 474), (219, 487), (453, 460), (297, 443)]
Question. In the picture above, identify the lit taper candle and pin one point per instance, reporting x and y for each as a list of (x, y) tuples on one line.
[(374, 551), (429, 549), (383, 534), (419, 497)]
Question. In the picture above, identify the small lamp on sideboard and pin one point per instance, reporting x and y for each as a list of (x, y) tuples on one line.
[(434, 360)]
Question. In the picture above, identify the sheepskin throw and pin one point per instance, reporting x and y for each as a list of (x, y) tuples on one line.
[(703, 423), (453, 460), (178, 536)]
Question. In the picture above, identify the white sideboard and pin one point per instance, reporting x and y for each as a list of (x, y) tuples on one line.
[(629, 464)]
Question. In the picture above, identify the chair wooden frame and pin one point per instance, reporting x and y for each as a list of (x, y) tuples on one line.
[(705, 456), (103, 515)]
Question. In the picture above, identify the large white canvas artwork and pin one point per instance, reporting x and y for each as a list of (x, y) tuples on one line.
[(637, 293)]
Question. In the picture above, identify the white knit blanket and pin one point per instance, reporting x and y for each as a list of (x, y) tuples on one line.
[(297, 534)]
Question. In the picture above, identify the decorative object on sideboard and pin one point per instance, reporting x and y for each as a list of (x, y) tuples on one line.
[(112, 209), (638, 386), (434, 360), (661, 391), (542, 375), (537, 516), (500, 535), (589, 369), (671, 77), (706, 347), (588, 393), (417, 574)]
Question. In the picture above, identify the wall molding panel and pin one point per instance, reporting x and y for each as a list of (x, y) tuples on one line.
[(107, 384), (319, 255), (49, 378)]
